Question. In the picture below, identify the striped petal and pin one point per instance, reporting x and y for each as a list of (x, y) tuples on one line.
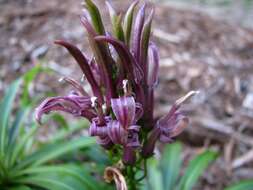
[(73, 104), (124, 109)]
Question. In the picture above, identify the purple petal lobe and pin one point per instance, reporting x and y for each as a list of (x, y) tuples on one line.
[(124, 109), (72, 104), (153, 66), (101, 131), (138, 27), (117, 134)]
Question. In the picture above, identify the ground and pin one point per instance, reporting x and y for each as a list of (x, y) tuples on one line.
[(197, 51)]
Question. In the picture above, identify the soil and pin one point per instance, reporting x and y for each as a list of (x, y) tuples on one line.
[(197, 51)]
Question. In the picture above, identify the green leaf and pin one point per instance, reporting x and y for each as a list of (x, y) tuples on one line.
[(128, 22), (13, 134), (23, 187), (20, 146), (53, 151), (195, 168), (95, 17), (47, 182), (243, 185), (14, 130), (170, 165), (68, 170), (154, 175), (5, 108)]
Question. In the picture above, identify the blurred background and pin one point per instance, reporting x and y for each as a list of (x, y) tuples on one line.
[(204, 45)]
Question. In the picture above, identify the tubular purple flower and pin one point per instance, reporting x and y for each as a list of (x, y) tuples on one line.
[(138, 27), (129, 63), (73, 104), (153, 66), (103, 58), (145, 36), (168, 126), (95, 71), (151, 82)]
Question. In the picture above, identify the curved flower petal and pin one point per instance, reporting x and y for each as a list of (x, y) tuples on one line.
[(117, 133), (153, 66), (101, 131), (124, 109), (73, 104)]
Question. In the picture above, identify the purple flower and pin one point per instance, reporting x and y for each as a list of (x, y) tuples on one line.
[(77, 103), (168, 126), (119, 114)]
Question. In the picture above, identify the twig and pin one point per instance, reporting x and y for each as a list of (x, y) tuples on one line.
[(248, 157), (217, 126)]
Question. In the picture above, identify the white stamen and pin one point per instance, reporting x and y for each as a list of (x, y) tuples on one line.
[(93, 101), (187, 96), (125, 83), (104, 108)]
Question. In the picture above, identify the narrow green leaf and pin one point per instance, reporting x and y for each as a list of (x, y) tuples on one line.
[(170, 165), (128, 22), (95, 17), (195, 168), (5, 108), (154, 175), (23, 187), (19, 148), (13, 134), (68, 170), (53, 151), (20, 118), (243, 185), (46, 182)]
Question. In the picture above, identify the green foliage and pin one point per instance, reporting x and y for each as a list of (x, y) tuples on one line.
[(23, 164), (164, 174), (243, 185)]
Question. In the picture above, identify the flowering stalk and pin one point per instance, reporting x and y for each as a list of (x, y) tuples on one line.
[(123, 75)]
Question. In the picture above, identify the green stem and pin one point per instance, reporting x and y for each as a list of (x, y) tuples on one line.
[(131, 177), (145, 171)]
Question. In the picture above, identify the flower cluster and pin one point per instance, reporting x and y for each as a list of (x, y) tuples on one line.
[(123, 74)]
